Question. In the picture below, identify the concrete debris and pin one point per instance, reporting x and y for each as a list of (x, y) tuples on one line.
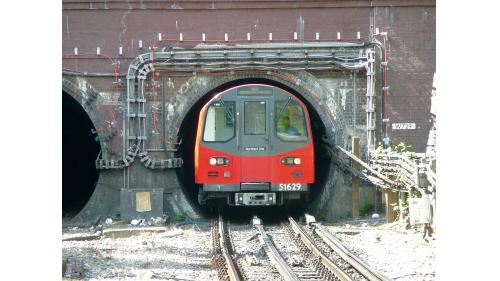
[(310, 219), (347, 226), (364, 224), (295, 261), (96, 228), (157, 220), (135, 222), (256, 221), (109, 221), (252, 260), (173, 233), (144, 275), (375, 216)]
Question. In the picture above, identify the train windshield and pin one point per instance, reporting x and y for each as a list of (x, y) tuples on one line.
[(219, 122), (255, 118), (290, 121)]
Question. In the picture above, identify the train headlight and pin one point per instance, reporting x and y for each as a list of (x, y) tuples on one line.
[(219, 161), (291, 160), (213, 161)]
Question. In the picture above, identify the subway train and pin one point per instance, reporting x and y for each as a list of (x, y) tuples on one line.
[(254, 147)]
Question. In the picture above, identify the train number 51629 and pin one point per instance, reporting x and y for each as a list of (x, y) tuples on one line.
[(290, 187)]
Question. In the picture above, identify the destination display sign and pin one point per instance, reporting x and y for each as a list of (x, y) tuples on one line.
[(255, 91), (254, 148)]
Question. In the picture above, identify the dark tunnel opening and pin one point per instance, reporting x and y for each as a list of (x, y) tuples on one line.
[(80, 147), (187, 135)]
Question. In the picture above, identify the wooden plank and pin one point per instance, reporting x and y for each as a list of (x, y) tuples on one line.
[(143, 201), (355, 180), (390, 182), (390, 198)]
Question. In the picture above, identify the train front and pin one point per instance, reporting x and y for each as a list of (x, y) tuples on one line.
[(254, 147)]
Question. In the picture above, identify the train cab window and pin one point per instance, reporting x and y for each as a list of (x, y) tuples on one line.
[(255, 118), (219, 122), (290, 121)]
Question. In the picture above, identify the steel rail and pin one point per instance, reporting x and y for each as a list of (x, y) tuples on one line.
[(347, 255), (232, 271), (324, 259), (274, 256)]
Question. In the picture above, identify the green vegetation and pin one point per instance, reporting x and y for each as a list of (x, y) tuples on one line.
[(401, 148), (403, 210), (181, 216), (347, 215), (321, 217), (366, 209)]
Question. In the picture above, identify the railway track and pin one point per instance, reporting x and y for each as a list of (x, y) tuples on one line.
[(226, 268), (351, 263), (250, 255), (287, 251), (290, 257)]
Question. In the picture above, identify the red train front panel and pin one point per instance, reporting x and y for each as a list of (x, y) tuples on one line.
[(254, 147)]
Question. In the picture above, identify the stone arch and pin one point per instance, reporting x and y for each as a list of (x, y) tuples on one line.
[(302, 83), (199, 88), (85, 99)]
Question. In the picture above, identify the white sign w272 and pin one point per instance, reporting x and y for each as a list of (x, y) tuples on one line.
[(404, 126)]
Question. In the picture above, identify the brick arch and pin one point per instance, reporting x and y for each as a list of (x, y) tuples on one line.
[(84, 98), (302, 83)]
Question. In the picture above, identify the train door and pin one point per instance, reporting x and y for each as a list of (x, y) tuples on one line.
[(255, 136)]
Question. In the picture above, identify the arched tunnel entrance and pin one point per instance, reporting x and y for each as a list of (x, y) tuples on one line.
[(80, 147), (187, 135)]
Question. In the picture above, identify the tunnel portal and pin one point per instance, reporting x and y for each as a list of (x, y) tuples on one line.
[(80, 147), (187, 136)]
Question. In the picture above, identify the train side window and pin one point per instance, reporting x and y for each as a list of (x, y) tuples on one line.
[(290, 121), (219, 122), (255, 118)]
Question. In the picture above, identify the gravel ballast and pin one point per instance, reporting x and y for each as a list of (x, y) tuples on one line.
[(392, 250), (182, 253), (119, 251)]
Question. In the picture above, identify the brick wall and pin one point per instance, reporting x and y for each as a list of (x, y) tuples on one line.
[(412, 63)]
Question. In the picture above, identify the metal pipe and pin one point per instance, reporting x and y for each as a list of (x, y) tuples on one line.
[(383, 56), (90, 74), (163, 123), (355, 100), (123, 152)]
